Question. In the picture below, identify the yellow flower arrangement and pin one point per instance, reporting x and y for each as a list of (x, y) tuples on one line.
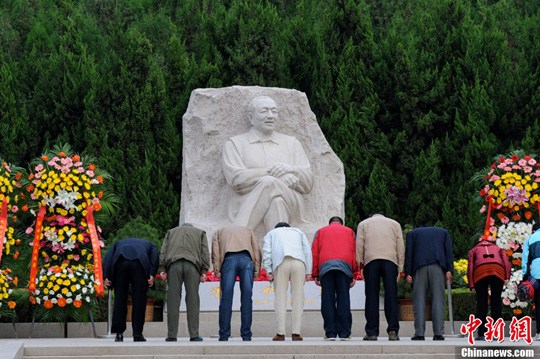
[(511, 188), (460, 273), (7, 305), (66, 184), (64, 286), (8, 215), (8, 184), (67, 195)]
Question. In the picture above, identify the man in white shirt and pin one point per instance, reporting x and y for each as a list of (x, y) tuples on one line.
[(287, 257)]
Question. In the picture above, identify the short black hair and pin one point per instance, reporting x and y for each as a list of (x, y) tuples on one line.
[(282, 224), (536, 226), (335, 219)]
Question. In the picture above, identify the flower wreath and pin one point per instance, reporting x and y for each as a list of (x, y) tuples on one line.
[(7, 239), (63, 285), (510, 191), (7, 211), (66, 190)]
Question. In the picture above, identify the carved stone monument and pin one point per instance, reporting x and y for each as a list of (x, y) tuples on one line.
[(234, 169)]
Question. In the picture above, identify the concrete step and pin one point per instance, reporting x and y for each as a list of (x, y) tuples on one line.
[(260, 348), (48, 342), (263, 326)]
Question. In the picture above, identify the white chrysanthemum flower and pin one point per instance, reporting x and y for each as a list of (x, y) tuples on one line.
[(513, 234)]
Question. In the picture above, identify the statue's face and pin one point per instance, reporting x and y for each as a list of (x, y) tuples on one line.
[(264, 115)]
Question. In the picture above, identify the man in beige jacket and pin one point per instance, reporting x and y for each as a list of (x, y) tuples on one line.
[(235, 253), (380, 251)]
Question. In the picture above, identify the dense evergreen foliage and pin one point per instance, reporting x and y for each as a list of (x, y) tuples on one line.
[(414, 96)]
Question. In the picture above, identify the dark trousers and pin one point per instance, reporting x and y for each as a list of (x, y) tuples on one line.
[(336, 304), (481, 288), (374, 271), (126, 273)]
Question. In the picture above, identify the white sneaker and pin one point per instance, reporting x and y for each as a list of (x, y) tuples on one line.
[(345, 339), (332, 339), (537, 337)]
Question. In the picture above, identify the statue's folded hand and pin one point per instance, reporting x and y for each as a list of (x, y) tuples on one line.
[(280, 169), (289, 179)]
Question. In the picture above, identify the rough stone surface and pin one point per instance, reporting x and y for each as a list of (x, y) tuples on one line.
[(214, 115)]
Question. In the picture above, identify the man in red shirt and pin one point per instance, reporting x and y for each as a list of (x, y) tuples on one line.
[(335, 270)]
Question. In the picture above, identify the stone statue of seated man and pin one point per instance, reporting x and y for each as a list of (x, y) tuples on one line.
[(269, 172)]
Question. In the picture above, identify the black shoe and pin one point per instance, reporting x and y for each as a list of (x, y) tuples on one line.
[(170, 339), (418, 337), (223, 339), (370, 337), (196, 339), (119, 337), (438, 337), (138, 338)]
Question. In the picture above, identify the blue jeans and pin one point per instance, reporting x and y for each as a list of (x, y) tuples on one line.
[(236, 264), (336, 304)]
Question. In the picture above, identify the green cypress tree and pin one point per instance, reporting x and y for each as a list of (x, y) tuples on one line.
[(427, 188), (376, 197), (17, 135)]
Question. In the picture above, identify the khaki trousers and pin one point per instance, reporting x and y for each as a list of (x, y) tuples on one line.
[(295, 271)]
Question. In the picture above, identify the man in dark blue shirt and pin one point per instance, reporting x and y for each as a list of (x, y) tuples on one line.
[(131, 261), (429, 259)]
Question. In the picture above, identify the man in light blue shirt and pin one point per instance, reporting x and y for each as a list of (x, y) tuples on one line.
[(287, 257)]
